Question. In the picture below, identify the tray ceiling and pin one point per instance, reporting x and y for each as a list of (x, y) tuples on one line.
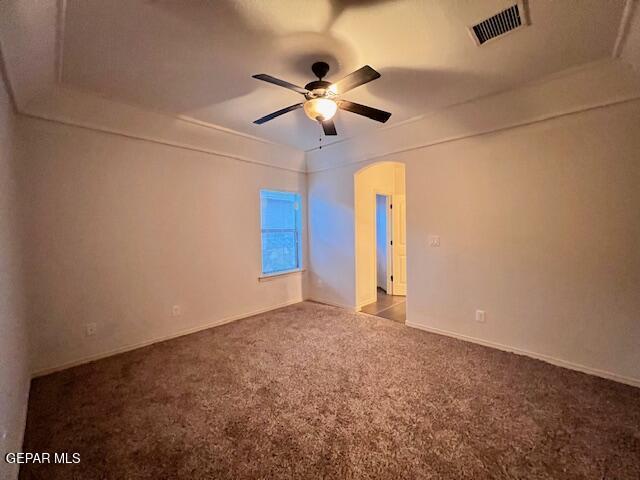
[(195, 59)]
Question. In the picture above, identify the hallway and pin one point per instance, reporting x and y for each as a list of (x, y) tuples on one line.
[(392, 307)]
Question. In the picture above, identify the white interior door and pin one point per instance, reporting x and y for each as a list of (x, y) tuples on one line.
[(399, 237)]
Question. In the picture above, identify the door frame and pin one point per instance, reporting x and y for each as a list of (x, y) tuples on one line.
[(364, 262), (395, 216)]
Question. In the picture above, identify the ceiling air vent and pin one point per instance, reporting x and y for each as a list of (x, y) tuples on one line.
[(507, 20)]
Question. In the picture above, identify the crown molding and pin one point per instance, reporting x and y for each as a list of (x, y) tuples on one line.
[(587, 87), (548, 78), (548, 118), (159, 119), (182, 118), (59, 68), (630, 7), (156, 141)]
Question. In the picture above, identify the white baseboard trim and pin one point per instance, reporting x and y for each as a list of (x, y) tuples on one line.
[(134, 346), (367, 302), (351, 308), (23, 422), (635, 382)]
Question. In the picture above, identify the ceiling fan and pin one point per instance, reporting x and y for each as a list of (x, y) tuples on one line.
[(321, 97)]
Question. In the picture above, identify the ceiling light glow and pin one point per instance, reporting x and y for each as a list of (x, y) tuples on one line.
[(320, 109)]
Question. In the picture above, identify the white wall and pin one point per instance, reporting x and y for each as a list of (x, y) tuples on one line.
[(332, 237), (539, 226), (120, 230), (14, 365)]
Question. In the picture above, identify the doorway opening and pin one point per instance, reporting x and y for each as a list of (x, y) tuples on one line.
[(380, 215), (383, 243)]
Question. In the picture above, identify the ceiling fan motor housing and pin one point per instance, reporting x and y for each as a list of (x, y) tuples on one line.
[(317, 88)]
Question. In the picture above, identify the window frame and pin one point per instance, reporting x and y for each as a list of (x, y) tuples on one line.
[(298, 235)]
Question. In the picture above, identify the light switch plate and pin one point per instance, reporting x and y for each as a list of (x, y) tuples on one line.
[(434, 240), (90, 329), (480, 316)]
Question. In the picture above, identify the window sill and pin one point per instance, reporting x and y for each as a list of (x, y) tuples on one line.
[(272, 276)]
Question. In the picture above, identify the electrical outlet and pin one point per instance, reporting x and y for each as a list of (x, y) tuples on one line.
[(434, 241), (480, 316), (176, 311), (90, 329)]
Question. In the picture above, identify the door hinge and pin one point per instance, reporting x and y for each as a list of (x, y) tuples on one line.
[(391, 206), (392, 278), (391, 242)]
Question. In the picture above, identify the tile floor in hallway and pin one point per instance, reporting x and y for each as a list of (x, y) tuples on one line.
[(391, 307)]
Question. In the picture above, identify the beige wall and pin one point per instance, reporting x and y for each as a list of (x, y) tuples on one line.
[(14, 365), (120, 230), (539, 227)]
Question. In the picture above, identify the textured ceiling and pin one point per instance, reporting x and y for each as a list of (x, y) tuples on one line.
[(196, 58)]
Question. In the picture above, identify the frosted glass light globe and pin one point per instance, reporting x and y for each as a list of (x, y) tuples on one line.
[(320, 109)]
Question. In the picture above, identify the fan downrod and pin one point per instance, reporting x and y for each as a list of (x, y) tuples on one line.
[(320, 69)]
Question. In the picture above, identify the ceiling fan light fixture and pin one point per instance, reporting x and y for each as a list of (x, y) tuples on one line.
[(321, 103), (320, 109)]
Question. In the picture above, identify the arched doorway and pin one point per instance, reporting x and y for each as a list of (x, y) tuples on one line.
[(380, 239)]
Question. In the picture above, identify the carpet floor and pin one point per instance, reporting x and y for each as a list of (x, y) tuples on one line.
[(316, 392)]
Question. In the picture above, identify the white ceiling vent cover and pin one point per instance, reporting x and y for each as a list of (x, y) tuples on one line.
[(508, 20)]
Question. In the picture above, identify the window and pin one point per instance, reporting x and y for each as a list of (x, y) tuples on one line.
[(281, 234)]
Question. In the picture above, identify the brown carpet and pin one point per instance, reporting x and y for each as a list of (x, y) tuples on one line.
[(315, 392)]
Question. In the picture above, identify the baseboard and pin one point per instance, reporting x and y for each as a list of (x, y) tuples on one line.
[(23, 423), (367, 302), (350, 308), (635, 382), (145, 343)]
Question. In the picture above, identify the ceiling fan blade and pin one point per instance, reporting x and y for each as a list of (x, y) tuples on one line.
[(276, 81), (369, 112), (273, 115), (359, 77), (329, 127)]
